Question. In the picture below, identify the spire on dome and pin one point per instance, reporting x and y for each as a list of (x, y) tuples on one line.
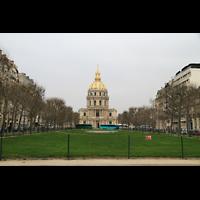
[(97, 78)]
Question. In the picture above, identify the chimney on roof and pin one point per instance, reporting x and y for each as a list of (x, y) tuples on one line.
[(3, 56), (8, 63), (22, 73)]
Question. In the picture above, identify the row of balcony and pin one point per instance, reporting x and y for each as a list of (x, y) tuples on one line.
[(183, 79)]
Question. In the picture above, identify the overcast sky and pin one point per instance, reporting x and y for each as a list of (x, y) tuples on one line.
[(133, 66)]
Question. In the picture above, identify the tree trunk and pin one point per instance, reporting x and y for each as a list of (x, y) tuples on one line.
[(172, 118), (179, 121), (31, 123), (13, 124), (4, 116), (23, 123), (20, 118)]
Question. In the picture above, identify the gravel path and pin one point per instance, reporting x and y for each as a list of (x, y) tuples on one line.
[(104, 162)]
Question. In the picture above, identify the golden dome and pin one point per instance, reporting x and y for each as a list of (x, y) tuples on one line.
[(97, 84)]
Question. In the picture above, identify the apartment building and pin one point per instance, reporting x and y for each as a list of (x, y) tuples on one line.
[(189, 75), (24, 80)]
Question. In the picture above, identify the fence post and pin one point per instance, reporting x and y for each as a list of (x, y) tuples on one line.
[(68, 147), (182, 147), (128, 146)]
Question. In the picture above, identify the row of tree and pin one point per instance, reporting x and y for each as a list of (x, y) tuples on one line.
[(138, 116), (27, 103), (178, 102), (174, 104)]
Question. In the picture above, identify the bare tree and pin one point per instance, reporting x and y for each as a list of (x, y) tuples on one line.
[(76, 118), (35, 96), (5, 90), (58, 111), (133, 115), (69, 116), (23, 101), (170, 99), (152, 115), (191, 99), (5, 87), (126, 118), (14, 103), (119, 118), (179, 103)]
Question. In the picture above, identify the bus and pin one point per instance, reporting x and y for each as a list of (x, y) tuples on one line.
[(83, 126), (108, 126)]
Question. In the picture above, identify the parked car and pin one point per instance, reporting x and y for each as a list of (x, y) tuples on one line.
[(4, 130), (132, 127), (193, 132), (184, 131), (156, 130), (197, 133)]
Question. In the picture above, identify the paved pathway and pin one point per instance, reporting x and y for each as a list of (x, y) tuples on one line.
[(104, 162)]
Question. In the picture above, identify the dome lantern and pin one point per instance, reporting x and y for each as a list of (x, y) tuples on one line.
[(97, 84), (97, 78)]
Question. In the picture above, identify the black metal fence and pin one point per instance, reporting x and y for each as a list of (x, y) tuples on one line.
[(27, 131), (131, 147)]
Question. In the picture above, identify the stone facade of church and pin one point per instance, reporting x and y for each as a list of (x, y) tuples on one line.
[(97, 111)]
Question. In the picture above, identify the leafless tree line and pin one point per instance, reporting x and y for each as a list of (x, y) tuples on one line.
[(177, 102), (27, 102), (138, 116)]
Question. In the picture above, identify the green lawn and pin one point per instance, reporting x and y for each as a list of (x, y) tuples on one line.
[(98, 144)]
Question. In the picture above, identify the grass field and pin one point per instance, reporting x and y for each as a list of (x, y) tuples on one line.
[(55, 144)]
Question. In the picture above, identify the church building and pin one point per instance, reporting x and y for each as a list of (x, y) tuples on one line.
[(97, 109)]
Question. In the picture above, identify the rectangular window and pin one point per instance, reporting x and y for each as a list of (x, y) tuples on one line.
[(110, 114), (100, 103), (84, 114), (95, 103)]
